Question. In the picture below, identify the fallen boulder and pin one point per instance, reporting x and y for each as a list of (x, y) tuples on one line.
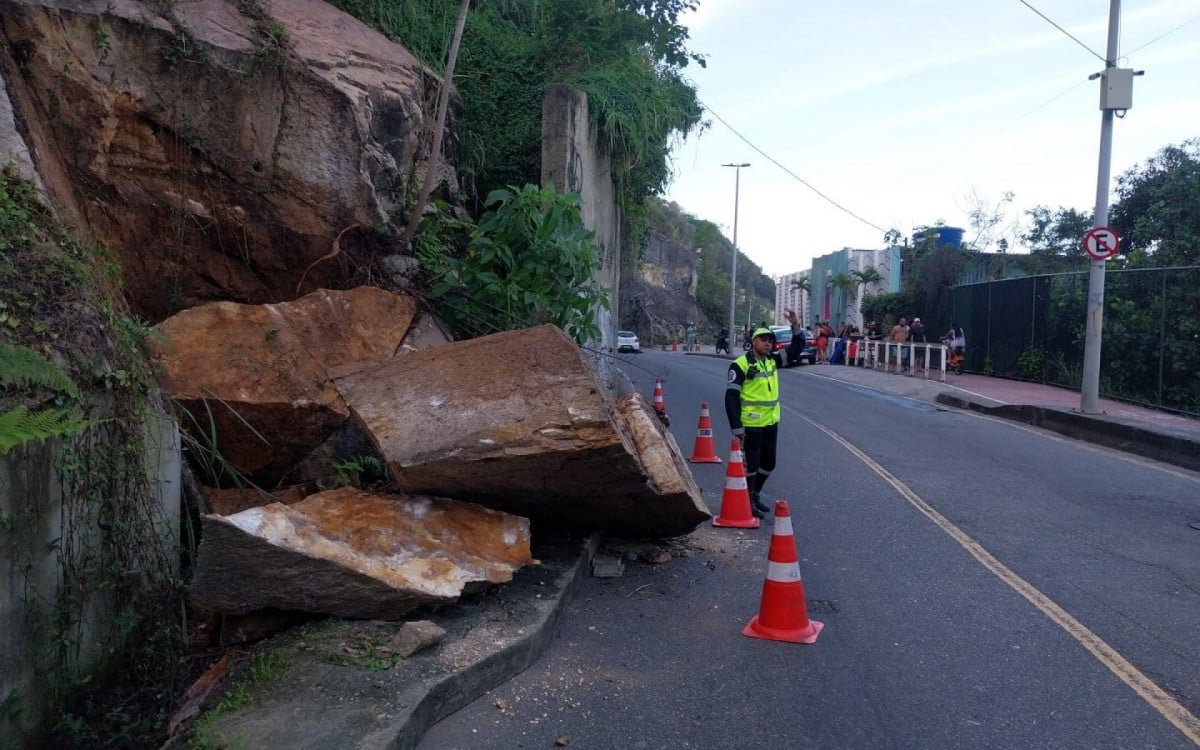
[(259, 373), (357, 554), (520, 422)]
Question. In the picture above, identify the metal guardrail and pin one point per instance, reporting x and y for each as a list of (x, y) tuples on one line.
[(901, 358)]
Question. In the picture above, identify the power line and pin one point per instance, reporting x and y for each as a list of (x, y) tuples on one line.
[(1060, 28), (1193, 19), (789, 172)]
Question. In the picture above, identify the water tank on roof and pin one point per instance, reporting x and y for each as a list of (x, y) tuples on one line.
[(952, 236)]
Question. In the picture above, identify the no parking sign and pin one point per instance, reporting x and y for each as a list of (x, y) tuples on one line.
[(1101, 243)]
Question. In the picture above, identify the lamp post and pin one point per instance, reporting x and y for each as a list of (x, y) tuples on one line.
[(737, 180)]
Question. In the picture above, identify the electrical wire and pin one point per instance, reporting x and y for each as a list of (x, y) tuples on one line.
[(1193, 19), (789, 172), (1060, 28)]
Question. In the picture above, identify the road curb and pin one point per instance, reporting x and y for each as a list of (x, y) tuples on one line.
[(450, 694), (1160, 445), (457, 690), (321, 704)]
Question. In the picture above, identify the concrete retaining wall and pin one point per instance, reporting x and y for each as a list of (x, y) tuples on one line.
[(573, 162)]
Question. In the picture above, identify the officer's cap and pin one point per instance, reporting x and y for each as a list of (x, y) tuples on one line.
[(766, 333)]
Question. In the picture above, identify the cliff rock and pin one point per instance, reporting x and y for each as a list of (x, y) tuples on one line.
[(225, 150)]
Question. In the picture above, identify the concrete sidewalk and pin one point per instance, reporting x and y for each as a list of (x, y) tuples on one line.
[(1154, 434)]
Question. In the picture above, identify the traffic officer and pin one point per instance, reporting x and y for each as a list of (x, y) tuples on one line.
[(752, 406)]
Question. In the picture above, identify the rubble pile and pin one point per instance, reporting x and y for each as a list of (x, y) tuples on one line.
[(476, 440)]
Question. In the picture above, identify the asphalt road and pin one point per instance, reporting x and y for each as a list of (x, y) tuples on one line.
[(998, 588)]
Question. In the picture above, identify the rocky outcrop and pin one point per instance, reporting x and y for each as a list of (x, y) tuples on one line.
[(356, 554), (658, 297), (519, 421), (257, 375), (225, 150)]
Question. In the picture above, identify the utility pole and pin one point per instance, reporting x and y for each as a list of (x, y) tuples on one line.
[(1116, 93), (737, 178)]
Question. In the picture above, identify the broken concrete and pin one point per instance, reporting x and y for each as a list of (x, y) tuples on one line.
[(519, 421), (260, 372), (356, 554)]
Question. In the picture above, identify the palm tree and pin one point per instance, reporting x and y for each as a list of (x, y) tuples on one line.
[(865, 277), (845, 282), (804, 284)]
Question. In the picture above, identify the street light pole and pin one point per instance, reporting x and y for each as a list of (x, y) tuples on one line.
[(737, 179), (1090, 385)]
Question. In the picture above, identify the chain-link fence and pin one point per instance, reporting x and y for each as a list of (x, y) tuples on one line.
[(1033, 328)]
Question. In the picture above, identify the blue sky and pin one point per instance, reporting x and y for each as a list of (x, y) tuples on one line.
[(901, 111)]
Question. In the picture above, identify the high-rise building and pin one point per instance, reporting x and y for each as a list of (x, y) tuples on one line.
[(787, 295), (823, 302)]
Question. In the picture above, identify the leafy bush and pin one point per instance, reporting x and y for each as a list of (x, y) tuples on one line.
[(529, 261)]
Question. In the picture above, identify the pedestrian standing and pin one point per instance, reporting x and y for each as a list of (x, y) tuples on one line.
[(752, 407)]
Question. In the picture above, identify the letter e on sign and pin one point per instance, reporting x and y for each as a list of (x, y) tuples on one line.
[(1101, 243)]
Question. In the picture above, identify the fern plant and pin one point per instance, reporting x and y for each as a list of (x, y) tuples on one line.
[(22, 367), (19, 426)]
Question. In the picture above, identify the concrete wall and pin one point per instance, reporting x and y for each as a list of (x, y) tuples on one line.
[(32, 523), (573, 162)]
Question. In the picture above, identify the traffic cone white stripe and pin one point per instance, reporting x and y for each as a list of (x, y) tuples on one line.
[(783, 572), (783, 527), (736, 457), (735, 483)]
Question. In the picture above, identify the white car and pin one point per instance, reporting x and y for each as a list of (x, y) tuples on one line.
[(627, 341)]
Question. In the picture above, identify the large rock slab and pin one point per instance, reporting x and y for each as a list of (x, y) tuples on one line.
[(352, 553), (224, 149), (519, 421), (260, 372)]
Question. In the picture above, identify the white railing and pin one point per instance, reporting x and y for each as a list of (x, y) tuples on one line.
[(901, 358)]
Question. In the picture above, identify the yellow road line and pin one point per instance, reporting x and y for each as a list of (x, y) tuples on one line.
[(1159, 699)]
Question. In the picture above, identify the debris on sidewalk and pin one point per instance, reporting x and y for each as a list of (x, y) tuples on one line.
[(415, 636), (356, 554), (607, 566)]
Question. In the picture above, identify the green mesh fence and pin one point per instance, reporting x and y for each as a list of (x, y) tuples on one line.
[(1032, 328)]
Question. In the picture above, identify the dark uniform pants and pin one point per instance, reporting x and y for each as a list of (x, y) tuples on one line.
[(759, 449)]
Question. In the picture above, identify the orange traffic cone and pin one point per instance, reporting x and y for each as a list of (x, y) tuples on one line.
[(735, 501), (783, 614), (704, 452), (660, 407)]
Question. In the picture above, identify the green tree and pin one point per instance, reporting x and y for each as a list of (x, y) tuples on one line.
[(866, 276), (1158, 210), (1056, 232)]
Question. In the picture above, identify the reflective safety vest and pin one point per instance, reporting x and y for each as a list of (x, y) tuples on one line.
[(760, 391)]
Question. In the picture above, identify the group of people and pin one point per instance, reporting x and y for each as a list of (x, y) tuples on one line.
[(752, 392)]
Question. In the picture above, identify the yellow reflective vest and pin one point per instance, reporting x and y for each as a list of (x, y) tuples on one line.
[(760, 391)]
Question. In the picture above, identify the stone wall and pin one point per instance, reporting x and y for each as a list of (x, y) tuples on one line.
[(573, 162)]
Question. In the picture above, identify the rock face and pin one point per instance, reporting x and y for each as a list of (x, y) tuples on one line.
[(222, 148), (518, 421), (260, 372), (659, 296), (351, 553)]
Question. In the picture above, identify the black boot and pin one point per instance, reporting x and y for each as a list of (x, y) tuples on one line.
[(758, 507)]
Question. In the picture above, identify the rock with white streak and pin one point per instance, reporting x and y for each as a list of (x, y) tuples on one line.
[(356, 554)]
